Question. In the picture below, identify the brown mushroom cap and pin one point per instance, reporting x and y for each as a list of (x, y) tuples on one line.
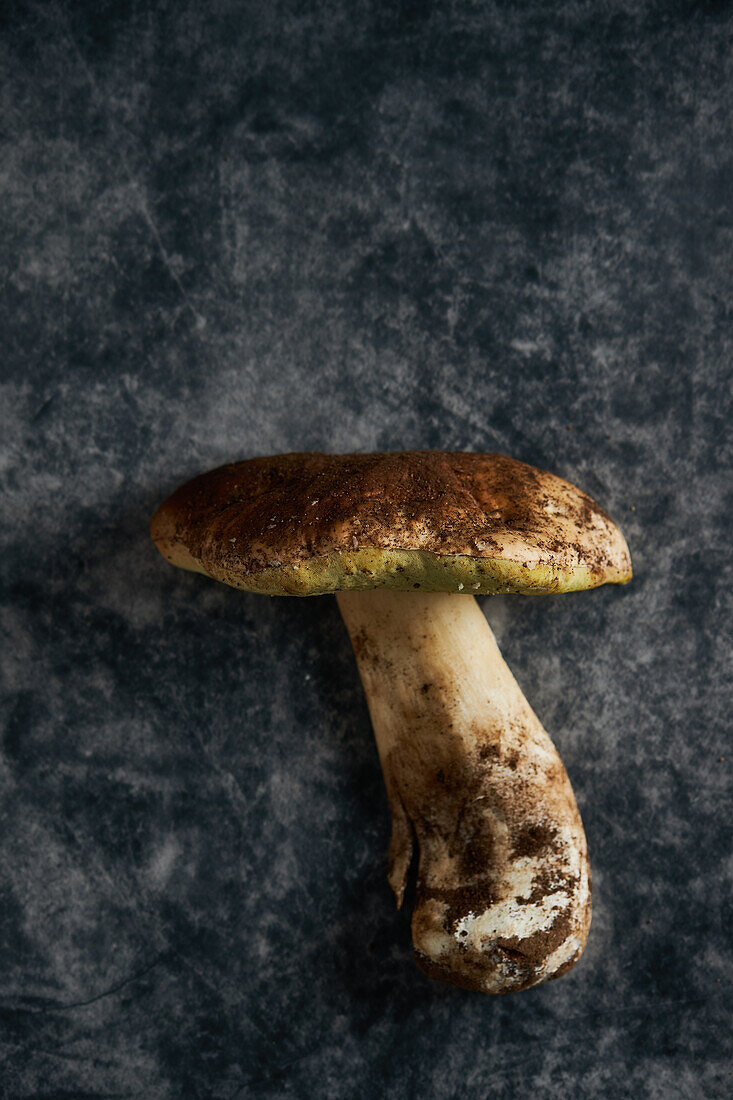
[(438, 521)]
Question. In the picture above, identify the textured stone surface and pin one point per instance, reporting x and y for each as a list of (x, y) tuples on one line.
[(236, 228)]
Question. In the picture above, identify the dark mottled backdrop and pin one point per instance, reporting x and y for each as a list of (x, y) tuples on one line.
[(237, 227)]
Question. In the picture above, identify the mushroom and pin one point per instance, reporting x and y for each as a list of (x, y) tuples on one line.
[(475, 785)]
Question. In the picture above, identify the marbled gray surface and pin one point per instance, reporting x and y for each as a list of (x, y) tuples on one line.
[(232, 228)]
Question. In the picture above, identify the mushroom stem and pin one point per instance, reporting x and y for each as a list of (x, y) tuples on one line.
[(503, 891)]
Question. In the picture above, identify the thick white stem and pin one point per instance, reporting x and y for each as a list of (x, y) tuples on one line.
[(503, 893)]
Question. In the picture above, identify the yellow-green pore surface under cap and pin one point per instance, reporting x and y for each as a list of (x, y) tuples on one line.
[(411, 570), (434, 521)]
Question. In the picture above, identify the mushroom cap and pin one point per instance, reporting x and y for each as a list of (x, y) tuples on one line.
[(438, 521)]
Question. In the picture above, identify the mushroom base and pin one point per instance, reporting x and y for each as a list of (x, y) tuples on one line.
[(503, 891)]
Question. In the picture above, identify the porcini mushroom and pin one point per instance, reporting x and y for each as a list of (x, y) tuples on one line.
[(503, 896)]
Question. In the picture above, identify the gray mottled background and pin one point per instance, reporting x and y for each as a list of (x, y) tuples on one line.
[(241, 227)]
